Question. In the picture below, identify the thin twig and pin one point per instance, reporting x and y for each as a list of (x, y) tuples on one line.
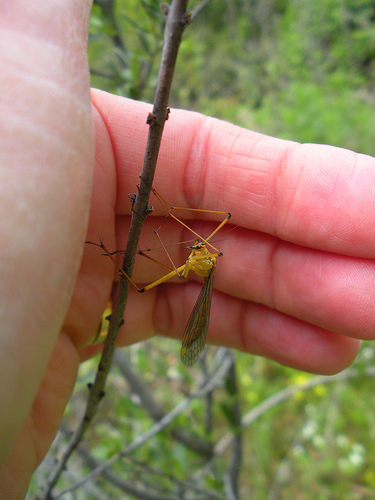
[(235, 415), (109, 9), (223, 444), (208, 417), (140, 489), (215, 381), (177, 19), (285, 394), (155, 410), (198, 8)]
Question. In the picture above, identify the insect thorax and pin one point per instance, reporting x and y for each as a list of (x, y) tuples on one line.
[(201, 261)]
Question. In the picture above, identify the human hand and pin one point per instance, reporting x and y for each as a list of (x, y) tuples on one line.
[(296, 279), (295, 283), (46, 167)]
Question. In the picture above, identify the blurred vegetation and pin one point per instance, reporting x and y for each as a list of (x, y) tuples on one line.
[(297, 70)]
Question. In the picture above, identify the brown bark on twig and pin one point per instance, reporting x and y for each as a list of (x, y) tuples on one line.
[(155, 410), (176, 21)]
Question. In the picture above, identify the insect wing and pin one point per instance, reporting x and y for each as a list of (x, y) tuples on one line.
[(194, 338)]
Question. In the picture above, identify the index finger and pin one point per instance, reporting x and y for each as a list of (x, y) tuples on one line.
[(314, 195)]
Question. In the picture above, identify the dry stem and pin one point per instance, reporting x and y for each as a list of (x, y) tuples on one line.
[(177, 19)]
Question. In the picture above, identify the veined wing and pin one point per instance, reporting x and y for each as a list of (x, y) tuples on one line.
[(194, 338)]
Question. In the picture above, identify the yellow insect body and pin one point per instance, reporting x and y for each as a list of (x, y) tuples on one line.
[(203, 263)]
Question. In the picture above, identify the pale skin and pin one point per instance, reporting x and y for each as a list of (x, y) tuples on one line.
[(296, 282)]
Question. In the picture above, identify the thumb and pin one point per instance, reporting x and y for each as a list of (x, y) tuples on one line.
[(46, 162)]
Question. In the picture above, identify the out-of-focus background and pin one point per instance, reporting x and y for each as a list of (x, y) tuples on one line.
[(294, 69), (298, 70)]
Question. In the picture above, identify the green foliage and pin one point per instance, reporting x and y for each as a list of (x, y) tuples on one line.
[(298, 70), (315, 442), (322, 119), (124, 46)]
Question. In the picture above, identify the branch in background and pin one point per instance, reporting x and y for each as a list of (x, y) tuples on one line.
[(208, 386), (137, 489), (209, 398), (177, 19), (108, 8), (197, 9), (124, 55), (156, 411), (102, 74), (234, 411), (285, 394)]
